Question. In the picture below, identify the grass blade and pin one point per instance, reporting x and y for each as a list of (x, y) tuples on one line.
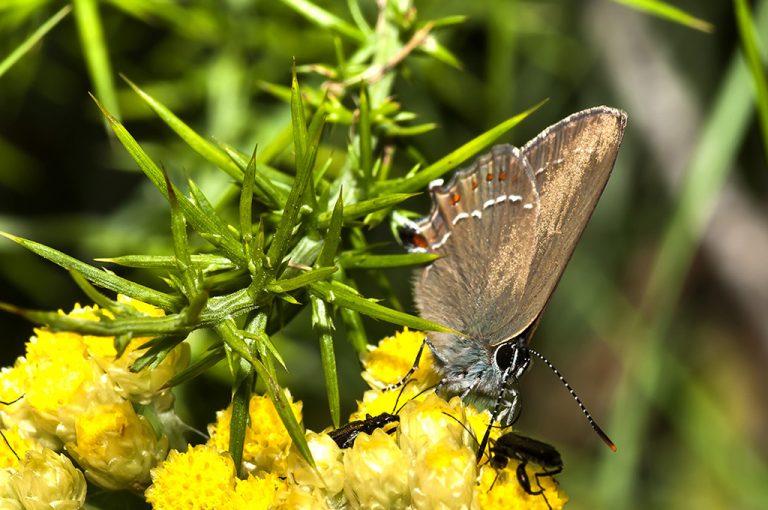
[(30, 42), (750, 44), (669, 12), (339, 294), (358, 260), (196, 142), (91, 33), (322, 321), (100, 277), (324, 19), (359, 209), (290, 218), (205, 224), (454, 159)]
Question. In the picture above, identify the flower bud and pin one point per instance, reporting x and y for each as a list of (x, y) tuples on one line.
[(116, 447), (376, 472), (328, 473), (47, 480)]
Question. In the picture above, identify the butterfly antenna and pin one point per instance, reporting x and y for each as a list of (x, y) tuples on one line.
[(471, 434), (591, 420), (466, 429), (400, 394), (398, 409)]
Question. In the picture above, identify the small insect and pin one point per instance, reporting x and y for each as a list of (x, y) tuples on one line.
[(345, 435), (526, 450), (505, 228)]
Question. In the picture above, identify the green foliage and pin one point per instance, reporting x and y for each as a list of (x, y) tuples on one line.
[(279, 237), (751, 44), (33, 39), (278, 184), (670, 12)]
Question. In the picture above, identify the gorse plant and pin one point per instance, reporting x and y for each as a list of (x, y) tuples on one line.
[(298, 229)]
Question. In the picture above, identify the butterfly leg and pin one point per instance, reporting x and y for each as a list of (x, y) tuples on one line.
[(510, 408), (505, 406), (413, 368)]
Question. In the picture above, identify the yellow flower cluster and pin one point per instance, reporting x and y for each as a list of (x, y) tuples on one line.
[(71, 393), (426, 461)]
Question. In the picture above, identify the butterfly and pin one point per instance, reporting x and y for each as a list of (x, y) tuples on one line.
[(505, 228)]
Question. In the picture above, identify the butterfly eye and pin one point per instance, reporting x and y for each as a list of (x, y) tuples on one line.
[(505, 354), (512, 357)]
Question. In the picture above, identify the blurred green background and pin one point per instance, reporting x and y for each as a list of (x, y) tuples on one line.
[(661, 320)]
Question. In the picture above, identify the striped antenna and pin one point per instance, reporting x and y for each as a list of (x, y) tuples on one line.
[(591, 420)]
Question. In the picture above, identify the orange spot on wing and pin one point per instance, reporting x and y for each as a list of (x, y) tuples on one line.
[(419, 241)]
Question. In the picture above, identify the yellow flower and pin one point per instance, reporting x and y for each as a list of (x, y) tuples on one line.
[(63, 373), (16, 410), (48, 480), (328, 474), (116, 447), (300, 497), (376, 402), (508, 493), (431, 423), (8, 499), (376, 473), (259, 493), (61, 382), (148, 385), (266, 441), (478, 423), (19, 445), (443, 477), (201, 478), (11, 454), (439, 448), (391, 360), (428, 462)]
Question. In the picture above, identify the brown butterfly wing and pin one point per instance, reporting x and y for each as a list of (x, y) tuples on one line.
[(482, 223), (572, 161)]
